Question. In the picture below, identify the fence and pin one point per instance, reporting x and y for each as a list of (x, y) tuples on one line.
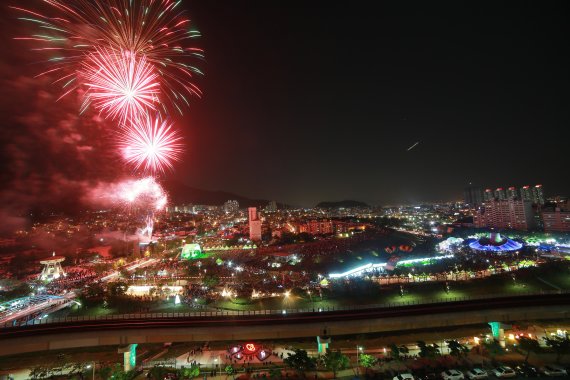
[(219, 313)]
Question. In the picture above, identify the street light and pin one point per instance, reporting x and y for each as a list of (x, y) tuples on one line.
[(92, 365), (358, 349)]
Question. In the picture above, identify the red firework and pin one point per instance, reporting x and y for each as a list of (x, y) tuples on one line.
[(151, 144), (119, 84)]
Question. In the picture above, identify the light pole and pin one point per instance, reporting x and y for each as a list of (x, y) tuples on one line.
[(92, 365), (358, 349)]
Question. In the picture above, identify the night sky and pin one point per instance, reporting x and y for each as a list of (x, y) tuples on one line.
[(308, 101)]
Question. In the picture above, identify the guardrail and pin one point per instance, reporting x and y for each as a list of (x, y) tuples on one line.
[(281, 312)]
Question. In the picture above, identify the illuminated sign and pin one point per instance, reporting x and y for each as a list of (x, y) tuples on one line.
[(250, 348), (191, 251)]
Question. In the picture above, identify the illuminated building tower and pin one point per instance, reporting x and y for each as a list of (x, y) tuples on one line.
[(472, 195), (526, 193), (488, 195), (537, 195), (500, 194), (254, 225), (512, 193), (52, 269)]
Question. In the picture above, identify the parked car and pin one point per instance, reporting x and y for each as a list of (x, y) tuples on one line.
[(553, 370), (404, 376), (504, 372), (477, 373), (526, 370), (452, 374)]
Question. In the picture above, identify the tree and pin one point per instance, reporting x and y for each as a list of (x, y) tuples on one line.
[(335, 361), (427, 351), (39, 372), (230, 370), (300, 361), (189, 372), (158, 372), (367, 361), (210, 281), (560, 345), (396, 351), (456, 348), (104, 372), (274, 372), (493, 348), (529, 345), (120, 374), (117, 288)]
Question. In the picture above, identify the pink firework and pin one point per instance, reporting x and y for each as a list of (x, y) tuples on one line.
[(151, 144), (130, 194), (145, 193), (119, 84)]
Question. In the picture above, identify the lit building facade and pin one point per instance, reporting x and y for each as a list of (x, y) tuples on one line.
[(511, 213), (538, 195), (254, 225), (500, 194), (488, 195), (231, 207), (556, 220)]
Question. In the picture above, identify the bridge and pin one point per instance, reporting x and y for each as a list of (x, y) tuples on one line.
[(79, 332)]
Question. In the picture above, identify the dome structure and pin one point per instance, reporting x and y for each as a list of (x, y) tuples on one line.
[(495, 243)]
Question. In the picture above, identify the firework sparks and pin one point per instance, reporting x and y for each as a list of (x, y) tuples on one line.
[(151, 145), (156, 30), (145, 193), (130, 194), (119, 84)]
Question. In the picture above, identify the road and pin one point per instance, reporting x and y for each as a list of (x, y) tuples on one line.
[(209, 321)]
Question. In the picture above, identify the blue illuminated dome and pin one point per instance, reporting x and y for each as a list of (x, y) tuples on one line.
[(495, 243)]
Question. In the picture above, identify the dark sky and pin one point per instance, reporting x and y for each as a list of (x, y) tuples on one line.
[(308, 101), (318, 100)]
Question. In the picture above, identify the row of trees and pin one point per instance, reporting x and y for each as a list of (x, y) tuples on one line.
[(301, 362)]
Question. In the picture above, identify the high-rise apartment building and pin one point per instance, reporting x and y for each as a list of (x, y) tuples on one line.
[(538, 195), (533, 194), (254, 224), (511, 213), (472, 195), (512, 193), (526, 193), (500, 194), (488, 195), (271, 206), (556, 219), (231, 206)]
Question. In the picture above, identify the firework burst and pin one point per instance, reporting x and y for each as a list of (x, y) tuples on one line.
[(150, 144), (119, 84), (156, 30)]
